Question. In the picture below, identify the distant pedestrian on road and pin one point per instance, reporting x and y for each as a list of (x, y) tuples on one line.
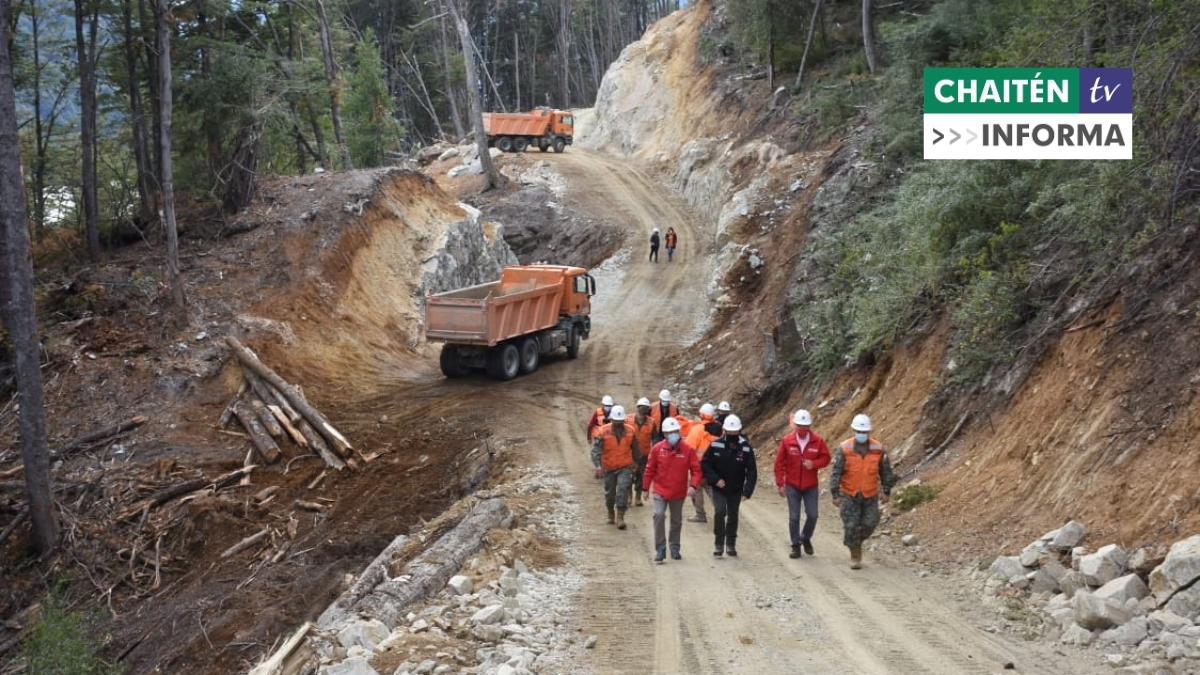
[(861, 479), (643, 430), (674, 473), (615, 455), (672, 240), (730, 469), (654, 245), (801, 454)]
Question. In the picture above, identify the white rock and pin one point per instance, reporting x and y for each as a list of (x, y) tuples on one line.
[(354, 666), (366, 634), (1129, 634), (1007, 567), (1092, 612), (461, 584), (489, 615), (1180, 569), (1104, 565), (909, 540), (1068, 536)]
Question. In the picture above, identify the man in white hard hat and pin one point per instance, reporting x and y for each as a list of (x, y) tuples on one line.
[(599, 417), (801, 454), (723, 410), (643, 430), (730, 470), (673, 472), (615, 454), (861, 479), (700, 436), (660, 411)]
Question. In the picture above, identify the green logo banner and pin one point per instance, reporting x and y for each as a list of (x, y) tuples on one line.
[(1002, 90)]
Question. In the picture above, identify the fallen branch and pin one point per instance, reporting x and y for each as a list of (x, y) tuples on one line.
[(278, 661), (945, 444), (292, 432), (227, 413), (311, 506), (246, 543), (16, 522), (267, 418), (99, 435), (178, 490), (318, 421)]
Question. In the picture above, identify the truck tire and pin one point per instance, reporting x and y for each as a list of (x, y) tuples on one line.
[(519, 144), (559, 145), (531, 355), (543, 145), (451, 367), (503, 361), (505, 144), (573, 343)]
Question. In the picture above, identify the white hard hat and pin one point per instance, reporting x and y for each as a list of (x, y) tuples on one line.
[(707, 410), (664, 396), (617, 414), (861, 423), (802, 418), (643, 401), (656, 230), (607, 400), (670, 424), (732, 423), (724, 406)]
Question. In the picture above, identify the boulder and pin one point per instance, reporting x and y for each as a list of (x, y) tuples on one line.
[(1093, 613), (460, 584), (353, 666), (1163, 621), (365, 634), (1129, 634), (1104, 565), (1068, 536), (1123, 588), (1006, 567), (1180, 569), (1070, 582), (492, 614)]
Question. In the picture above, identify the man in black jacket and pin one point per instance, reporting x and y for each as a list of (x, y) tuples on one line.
[(729, 468)]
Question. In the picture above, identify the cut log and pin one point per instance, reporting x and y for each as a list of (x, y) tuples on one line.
[(246, 543), (270, 395), (318, 421), (227, 413), (266, 417), (262, 441), (99, 435), (293, 651), (179, 489), (292, 432), (427, 574), (318, 445), (311, 506)]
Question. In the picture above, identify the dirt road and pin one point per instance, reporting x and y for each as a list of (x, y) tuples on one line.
[(761, 613)]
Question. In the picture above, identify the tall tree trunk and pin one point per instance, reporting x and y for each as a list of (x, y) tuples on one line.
[(167, 177), (868, 26), (147, 14), (86, 13), (335, 86), (517, 70), (808, 43), (40, 135), (18, 310), (562, 41), (459, 132), (485, 157), (137, 119)]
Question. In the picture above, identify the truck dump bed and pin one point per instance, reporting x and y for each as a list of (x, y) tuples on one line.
[(523, 301), (515, 124)]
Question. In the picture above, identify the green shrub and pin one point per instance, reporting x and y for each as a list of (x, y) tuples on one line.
[(910, 497), (66, 642)]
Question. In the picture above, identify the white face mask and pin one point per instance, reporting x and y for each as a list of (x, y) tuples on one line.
[(861, 437), (673, 438)]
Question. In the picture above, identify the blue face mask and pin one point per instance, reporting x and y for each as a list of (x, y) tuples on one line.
[(861, 437), (673, 438)]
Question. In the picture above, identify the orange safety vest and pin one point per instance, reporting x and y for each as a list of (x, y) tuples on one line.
[(643, 433), (656, 413), (699, 438), (860, 473), (616, 453)]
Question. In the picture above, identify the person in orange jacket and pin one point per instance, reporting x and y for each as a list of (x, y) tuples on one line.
[(801, 454), (671, 240), (661, 411), (643, 430), (700, 436), (861, 479), (599, 417), (673, 470), (615, 454)]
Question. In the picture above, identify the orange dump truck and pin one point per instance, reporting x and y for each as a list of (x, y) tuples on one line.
[(504, 327), (544, 127)]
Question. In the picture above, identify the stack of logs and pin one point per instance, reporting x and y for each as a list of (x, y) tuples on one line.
[(268, 408)]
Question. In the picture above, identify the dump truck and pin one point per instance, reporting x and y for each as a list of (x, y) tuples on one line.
[(505, 326), (544, 127)]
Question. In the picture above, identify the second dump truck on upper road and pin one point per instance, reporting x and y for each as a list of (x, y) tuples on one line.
[(545, 128), (504, 327)]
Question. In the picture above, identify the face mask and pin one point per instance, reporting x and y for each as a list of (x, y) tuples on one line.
[(673, 438), (861, 437)]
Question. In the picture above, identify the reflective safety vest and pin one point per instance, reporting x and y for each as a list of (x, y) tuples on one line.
[(616, 453), (860, 473), (643, 432)]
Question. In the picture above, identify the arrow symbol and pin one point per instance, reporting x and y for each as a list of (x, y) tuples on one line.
[(956, 136), (973, 136), (940, 136)]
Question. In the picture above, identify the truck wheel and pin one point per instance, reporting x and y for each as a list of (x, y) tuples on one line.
[(543, 146), (503, 362), (531, 354), (451, 367), (573, 343), (520, 144), (559, 145), (505, 144)]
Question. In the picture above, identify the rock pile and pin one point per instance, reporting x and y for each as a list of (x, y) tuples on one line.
[(1106, 598)]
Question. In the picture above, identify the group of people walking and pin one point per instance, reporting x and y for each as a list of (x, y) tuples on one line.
[(662, 457), (670, 239)]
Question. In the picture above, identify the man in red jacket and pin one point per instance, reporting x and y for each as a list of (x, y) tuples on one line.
[(674, 472), (801, 454)]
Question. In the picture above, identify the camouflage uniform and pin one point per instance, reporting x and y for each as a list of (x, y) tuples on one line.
[(860, 515)]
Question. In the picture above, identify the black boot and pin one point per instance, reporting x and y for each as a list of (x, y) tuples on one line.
[(795, 551)]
